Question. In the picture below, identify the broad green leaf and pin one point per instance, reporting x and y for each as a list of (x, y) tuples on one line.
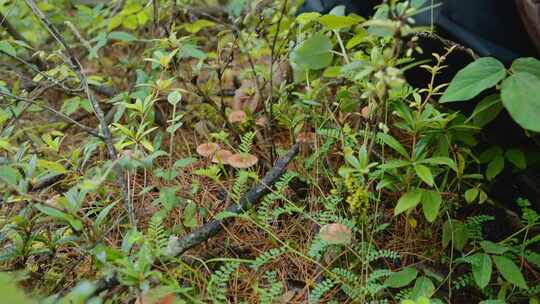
[(455, 232), (481, 269), (9, 175), (479, 75), (510, 271), (401, 278), (392, 143), (495, 166), (493, 248), (314, 53), (527, 65), (334, 22), (520, 97), (425, 174), (423, 287), (431, 204), (408, 201), (7, 48), (517, 158), (486, 110)]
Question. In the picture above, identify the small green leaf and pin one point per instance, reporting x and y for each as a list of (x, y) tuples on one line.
[(479, 75), (121, 36), (184, 162), (401, 278), (9, 175), (168, 197), (493, 248), (520, 97), (481, 269), (510, 271), (190, 215), (440, 160), (52, 212), (7, 48), (456, 232), (471, 195), (174, 97), (431, 204), (198, 25), (408, 201), (392, 143), (517, 158), (425, 174), (306, 18), (334, 22), (495, 166), (358, 38), (423, 287), (314, 53)]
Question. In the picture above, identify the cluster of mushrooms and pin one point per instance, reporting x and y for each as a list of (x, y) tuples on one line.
[(218, 155)]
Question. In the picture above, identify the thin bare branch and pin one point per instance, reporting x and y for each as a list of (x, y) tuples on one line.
[(107, 136)]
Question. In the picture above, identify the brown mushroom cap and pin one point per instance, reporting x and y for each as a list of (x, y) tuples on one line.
[(242, 160), (336, 234), (306, 137), (237, 116), (247, 96), (261, 121), (207, 149), (365, 112), (222, 156)]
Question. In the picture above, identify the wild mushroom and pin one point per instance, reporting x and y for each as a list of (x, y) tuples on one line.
[(221, 156), (306, 137), (237, 116), (242, 160), (336, 234), (247, 96), (207, 149), (365, 112), (261, 121)]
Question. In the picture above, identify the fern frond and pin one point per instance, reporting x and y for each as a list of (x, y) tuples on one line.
[(246, 142), (268, 257), (217, 287), (320, 290)]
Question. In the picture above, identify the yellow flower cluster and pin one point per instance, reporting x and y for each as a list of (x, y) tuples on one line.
[(358, 198)]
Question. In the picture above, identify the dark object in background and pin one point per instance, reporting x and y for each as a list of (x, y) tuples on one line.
[(489, 27), (505, 29), (360, 7)]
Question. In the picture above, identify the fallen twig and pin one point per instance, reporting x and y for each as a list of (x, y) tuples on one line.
[(206, 231)]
